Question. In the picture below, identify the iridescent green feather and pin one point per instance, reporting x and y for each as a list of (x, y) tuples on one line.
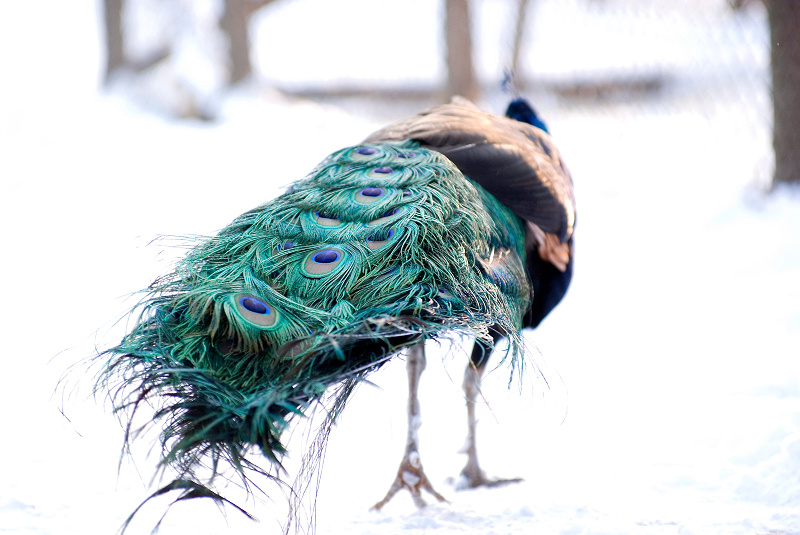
[(380, 246)]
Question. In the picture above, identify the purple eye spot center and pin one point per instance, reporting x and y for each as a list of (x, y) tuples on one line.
[(254, 305), (327, 256), (285, 246), (371, 192), (407, 155), (382, 235), (366, 151), (383, 170), (390, 213)]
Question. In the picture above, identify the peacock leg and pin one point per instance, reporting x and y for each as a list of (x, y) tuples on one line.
[(472, 476), (410, 474)]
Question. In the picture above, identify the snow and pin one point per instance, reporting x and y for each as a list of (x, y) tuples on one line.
[(670, 402)]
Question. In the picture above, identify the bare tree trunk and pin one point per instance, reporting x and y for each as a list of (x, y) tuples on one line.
[(235, 23), (519, 34), (784, 22), (115, 44), (460, 72), (738, 5)]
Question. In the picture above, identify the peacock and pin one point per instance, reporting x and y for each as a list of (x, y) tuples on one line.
[(454, 220)]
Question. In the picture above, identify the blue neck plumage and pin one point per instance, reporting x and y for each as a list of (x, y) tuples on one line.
[(520, 110)]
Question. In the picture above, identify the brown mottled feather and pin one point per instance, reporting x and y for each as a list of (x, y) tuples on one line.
[(516, 162)]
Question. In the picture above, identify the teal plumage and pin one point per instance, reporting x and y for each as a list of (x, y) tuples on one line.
[(383, 244)]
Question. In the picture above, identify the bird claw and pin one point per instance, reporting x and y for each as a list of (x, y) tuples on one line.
[(473, 477), (411, 477)]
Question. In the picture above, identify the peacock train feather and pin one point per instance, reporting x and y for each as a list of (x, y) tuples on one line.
[(401, 238)]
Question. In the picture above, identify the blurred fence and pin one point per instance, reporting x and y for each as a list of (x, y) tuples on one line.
[(628, 60), (697, 54), (618, 57), (612, 49)]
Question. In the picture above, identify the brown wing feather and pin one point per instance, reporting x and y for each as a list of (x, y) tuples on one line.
[(514, 161)]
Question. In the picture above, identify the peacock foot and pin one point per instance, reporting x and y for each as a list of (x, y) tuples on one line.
[(410, 476), (473, 477)]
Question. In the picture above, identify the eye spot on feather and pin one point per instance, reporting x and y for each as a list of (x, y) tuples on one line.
[(407, 154), (254, 305), (326, 256), (364, 153), (381, 171), (445, 293), (326, 219), (387, 215), (322, 262), (370, 195), (380, 238), (255, 311), (285, 246)]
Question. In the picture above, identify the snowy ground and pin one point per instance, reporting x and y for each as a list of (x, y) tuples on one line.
[(674, 400)]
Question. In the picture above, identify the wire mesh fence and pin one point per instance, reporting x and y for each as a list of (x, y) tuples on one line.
[(630, 60), (706, 60)]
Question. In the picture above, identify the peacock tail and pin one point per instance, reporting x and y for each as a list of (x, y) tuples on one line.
[(382, 245)]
